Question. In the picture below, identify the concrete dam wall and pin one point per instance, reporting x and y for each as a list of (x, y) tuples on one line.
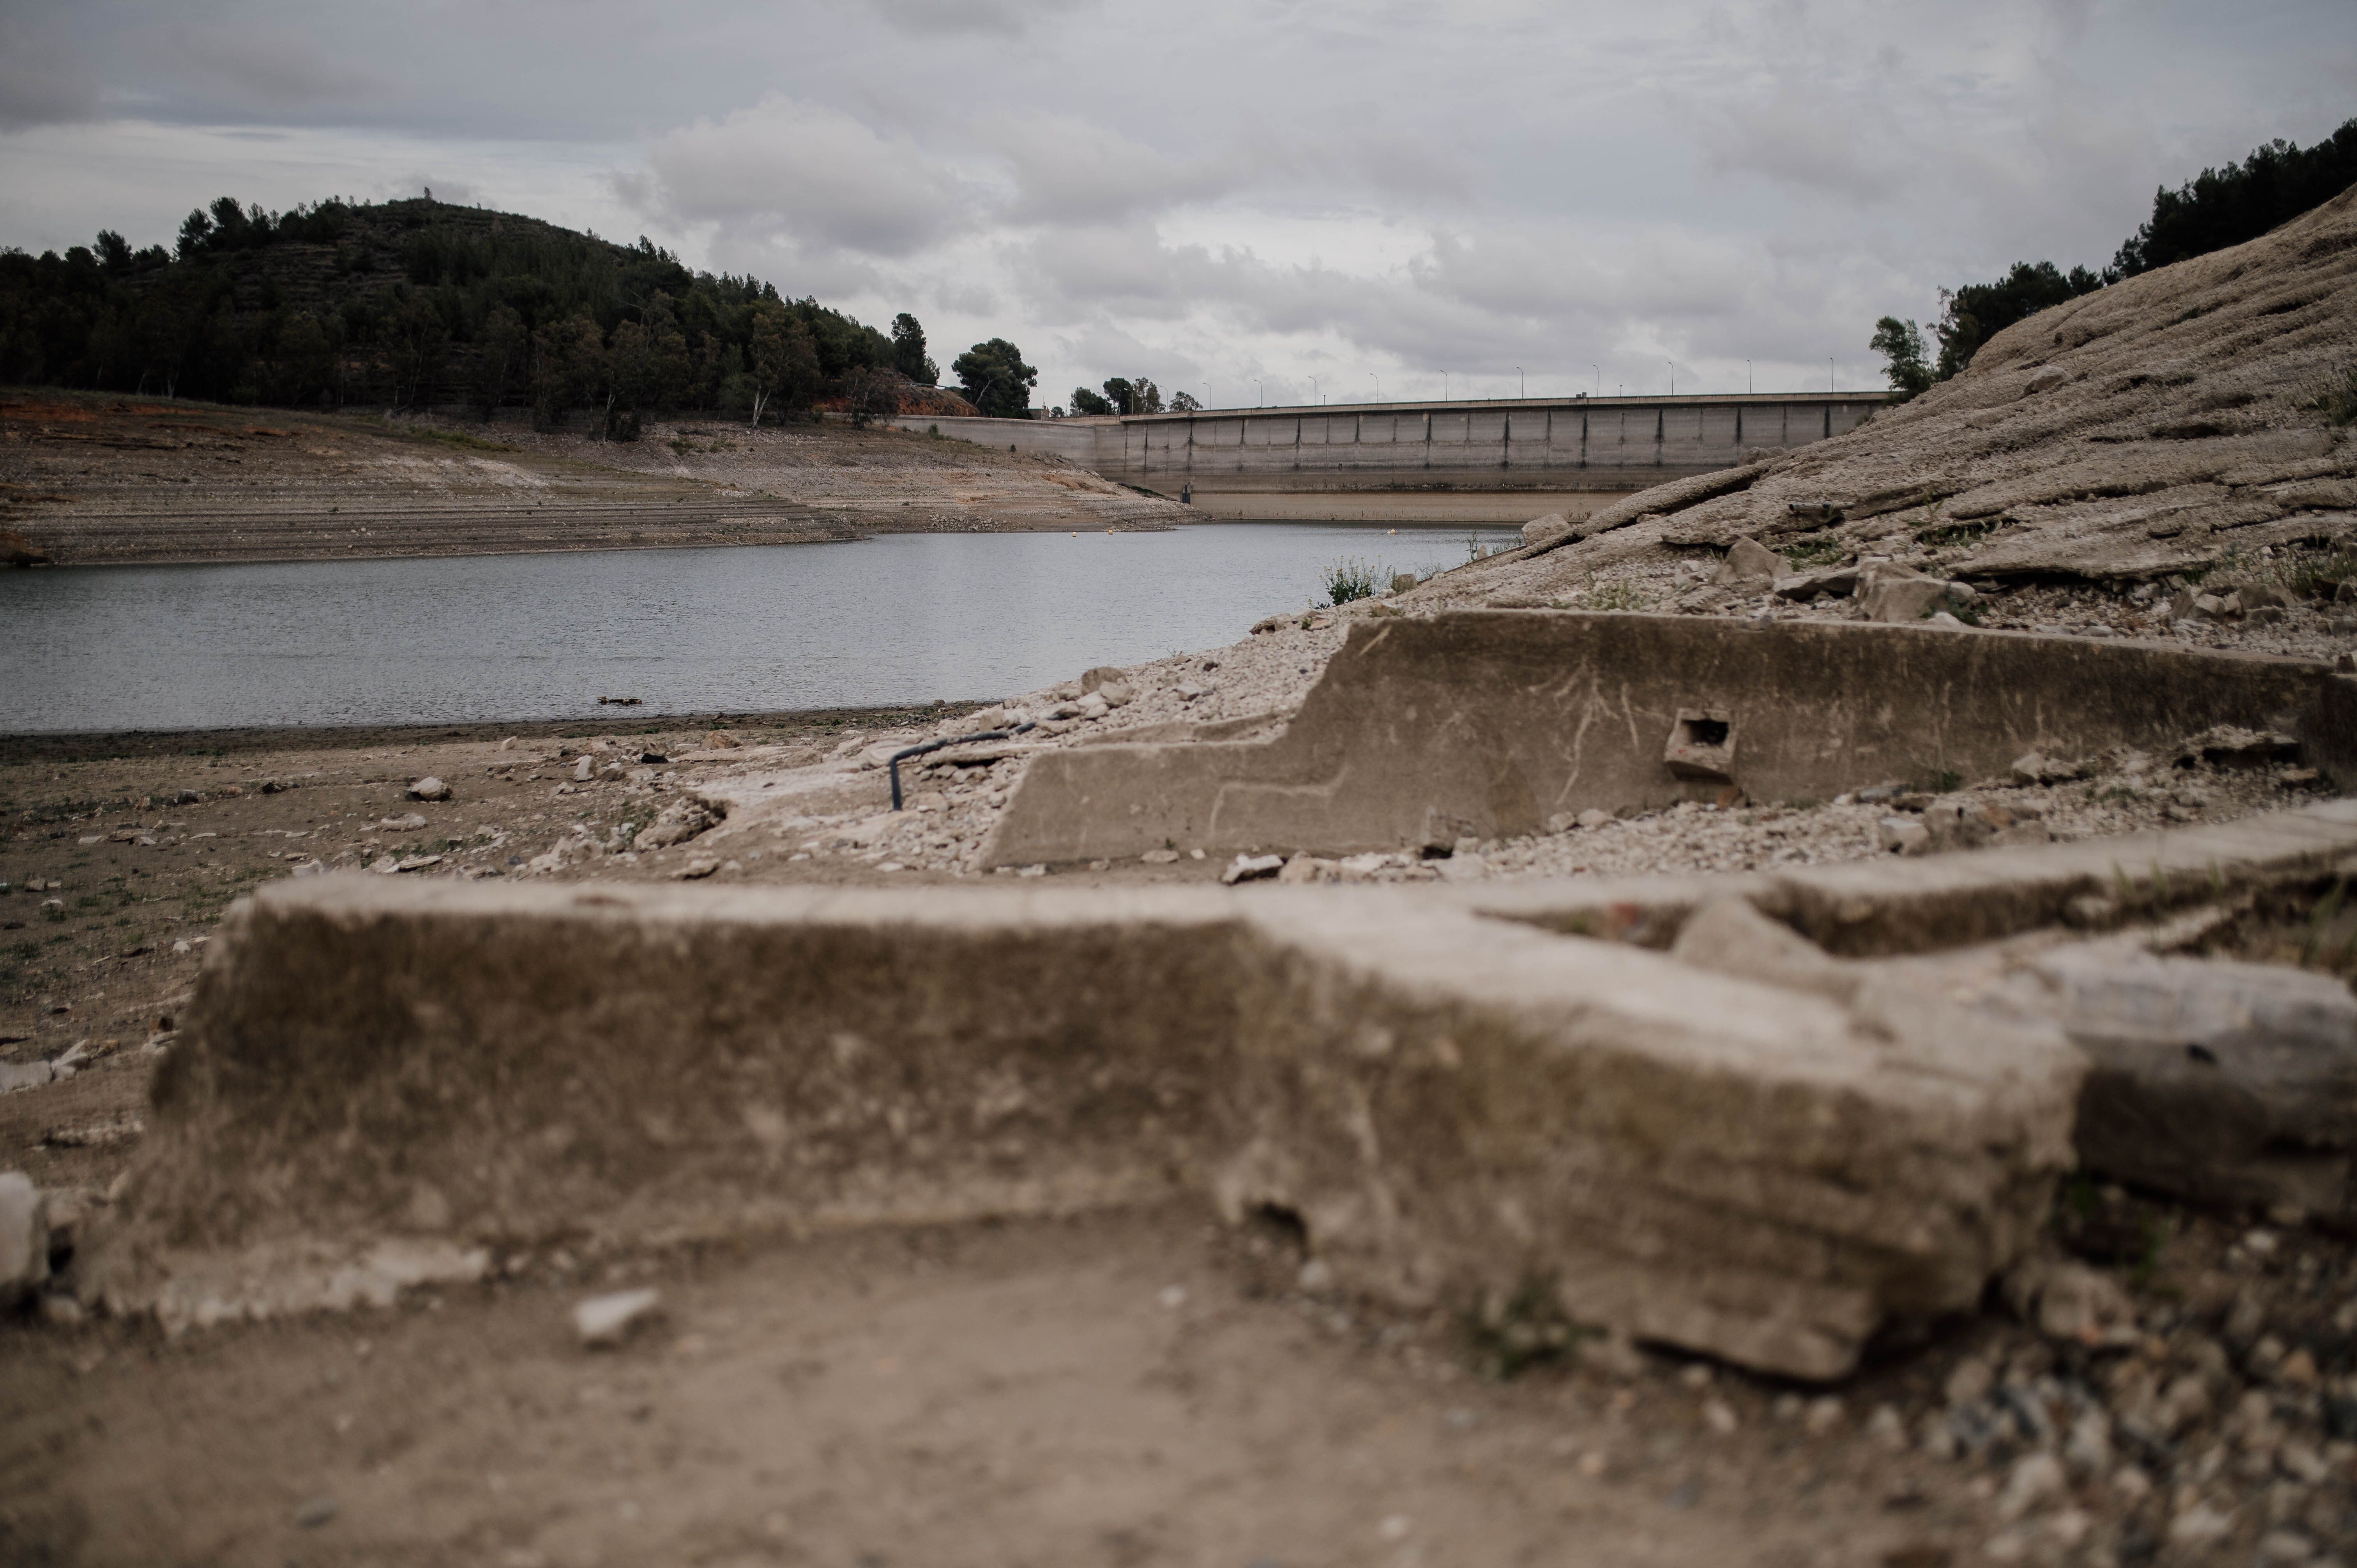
[(1445, 462)]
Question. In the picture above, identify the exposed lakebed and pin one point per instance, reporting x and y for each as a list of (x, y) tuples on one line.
[(898, 619)]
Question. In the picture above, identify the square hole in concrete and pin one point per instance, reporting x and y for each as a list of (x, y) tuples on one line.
[(1701, 747)]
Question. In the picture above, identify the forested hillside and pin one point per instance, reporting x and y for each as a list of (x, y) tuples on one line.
[(419, 302), (2219, 207)]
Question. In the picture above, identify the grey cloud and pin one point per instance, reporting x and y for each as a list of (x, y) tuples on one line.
[(1069, 169), (270, 70), (1006, 18), (1791, 136), (804, 174), (44, 80)]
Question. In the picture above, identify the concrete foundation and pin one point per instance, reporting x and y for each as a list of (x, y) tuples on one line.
[(1485, 723), (1448, 1105)]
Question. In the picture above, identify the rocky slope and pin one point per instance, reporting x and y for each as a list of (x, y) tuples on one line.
[(2188, 422)]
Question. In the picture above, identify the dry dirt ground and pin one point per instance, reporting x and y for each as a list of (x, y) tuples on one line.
[(1143, 1388), (91, 479)]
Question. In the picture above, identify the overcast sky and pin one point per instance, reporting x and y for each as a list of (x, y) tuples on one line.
[(1377, 195)]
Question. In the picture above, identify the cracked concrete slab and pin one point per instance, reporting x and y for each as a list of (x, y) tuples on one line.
[(1446, 1104)]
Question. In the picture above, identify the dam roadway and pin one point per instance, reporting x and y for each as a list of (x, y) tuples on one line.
[(1495, 461)]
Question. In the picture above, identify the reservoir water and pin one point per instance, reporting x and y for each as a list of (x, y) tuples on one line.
[(898, 618)]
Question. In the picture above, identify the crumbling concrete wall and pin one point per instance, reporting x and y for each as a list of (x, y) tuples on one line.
[(1486, 722), (1450, 1105)]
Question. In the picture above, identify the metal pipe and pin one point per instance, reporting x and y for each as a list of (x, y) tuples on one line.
[(898, 757)]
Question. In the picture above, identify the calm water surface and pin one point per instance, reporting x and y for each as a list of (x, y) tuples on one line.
[(906, 617)]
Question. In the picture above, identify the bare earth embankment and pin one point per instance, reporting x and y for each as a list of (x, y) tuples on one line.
[(88, 480)]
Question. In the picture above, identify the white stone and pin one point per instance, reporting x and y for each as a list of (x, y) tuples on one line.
[(2036, 1480), (2200, 1525), (1247, 867), (604, 1320), (1903, 835), (429, 788)]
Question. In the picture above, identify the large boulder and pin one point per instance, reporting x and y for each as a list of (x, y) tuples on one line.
[(2218, 1081), (1749, 561), (1896, 596)]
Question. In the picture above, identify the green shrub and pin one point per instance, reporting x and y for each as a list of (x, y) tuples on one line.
[(1817, 550), (1352, 578)]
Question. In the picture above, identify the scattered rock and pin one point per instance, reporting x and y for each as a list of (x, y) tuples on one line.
[(1402, 581), (696, 869), (1803, 587), (677, 822), (314, 1513), (608, 1320), (584, 766), (1731, 937), (2071, 1301), (1160, 856), (2035, 1480), (721, 740), (2037, 768), (1903, 835), (2200, 1525), (1251, 867), (429, 788), (1749, 561), (1101, 676), (1896, 596)]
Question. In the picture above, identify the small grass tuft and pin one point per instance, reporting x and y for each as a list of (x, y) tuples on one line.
[(2338, 402), (1817, 550), (1618, 597), (1528, 1328)]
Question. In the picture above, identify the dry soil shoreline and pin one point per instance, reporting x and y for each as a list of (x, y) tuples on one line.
[(88, 479)]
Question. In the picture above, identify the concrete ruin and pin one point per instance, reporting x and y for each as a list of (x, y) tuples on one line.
[(1768, 1161), (1485, 723)]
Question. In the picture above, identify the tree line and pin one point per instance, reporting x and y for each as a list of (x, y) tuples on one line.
[(413, 303), (2221, 207)]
